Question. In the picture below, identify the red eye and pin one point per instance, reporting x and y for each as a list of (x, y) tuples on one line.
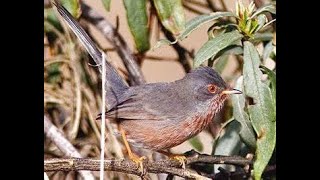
[(212, 88)]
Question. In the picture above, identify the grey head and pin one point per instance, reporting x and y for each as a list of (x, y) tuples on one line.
[(205, 83)]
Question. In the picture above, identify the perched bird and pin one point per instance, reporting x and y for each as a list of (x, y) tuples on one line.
[(158, 116)]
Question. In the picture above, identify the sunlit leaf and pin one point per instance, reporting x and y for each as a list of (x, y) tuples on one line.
[(171, 15), (267, 50), (162, 42), (261, 111), (214, 45), (198, 21), (239, 113), (272, 77), (73, 6), (138, 23), (266, 8)]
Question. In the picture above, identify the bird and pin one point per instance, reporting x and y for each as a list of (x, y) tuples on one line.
[(162, 115)]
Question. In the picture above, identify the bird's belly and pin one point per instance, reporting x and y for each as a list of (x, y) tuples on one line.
[(160, 135)]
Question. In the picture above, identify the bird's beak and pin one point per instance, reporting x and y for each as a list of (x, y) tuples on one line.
[(232, 91)]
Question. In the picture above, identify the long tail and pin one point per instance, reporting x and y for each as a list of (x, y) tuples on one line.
[(115, 84)]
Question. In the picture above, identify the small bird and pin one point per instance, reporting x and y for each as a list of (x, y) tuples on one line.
[(158, 116)]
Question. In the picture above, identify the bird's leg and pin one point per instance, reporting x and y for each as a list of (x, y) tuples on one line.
[(135, 158), (178, 157)]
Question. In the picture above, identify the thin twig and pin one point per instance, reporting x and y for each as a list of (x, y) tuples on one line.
[(58, 138), (192, 9), (168, 166), (212, 6), (136, 77), (182, 52), (197, 3)]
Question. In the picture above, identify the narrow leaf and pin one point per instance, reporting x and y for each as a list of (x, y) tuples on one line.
[(171, 15), (272, 77), (266, 36), (233, 49), (238, 103), (213, 46), (229, 143), (196, 143), (221, 63), (106, 4), (267, 50), (262, 19), (262, 111), (138, 23), (162, 42), (266, 8), (73, 6), (51, 17), (198, 21)]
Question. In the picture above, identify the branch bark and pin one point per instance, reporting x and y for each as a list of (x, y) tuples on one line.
[(55, 135), (136, 77), (168, 166)]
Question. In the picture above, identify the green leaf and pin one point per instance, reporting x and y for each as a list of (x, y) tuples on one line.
[(198, 21), (266, 8), (233, 49), (267, 50), (221, 63), (162, 42), (223, 56), (171, 15), (266, 36), (262, 112), (138, 23), (106, 4), (196, 143), (229, 143), (272, 77), (262, 19), (238, 103), (73, 6), (213, 46), (51, 17)]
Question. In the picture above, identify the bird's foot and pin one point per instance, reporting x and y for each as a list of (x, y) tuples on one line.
[(139, 161), (180, 158), (177, 157)]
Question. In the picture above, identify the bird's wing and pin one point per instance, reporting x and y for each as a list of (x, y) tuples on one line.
[(150, 102)]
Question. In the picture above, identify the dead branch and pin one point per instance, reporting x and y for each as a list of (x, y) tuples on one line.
[(57, 137), (167, 166)]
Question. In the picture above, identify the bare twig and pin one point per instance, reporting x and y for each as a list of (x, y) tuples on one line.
[(182, 52), (58, 138), (168, 166), (212, 6), (136, 77), (192, 9)]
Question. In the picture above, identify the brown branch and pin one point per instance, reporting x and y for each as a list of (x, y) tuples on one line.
[(168, 166), (57, 137), (136, 77)]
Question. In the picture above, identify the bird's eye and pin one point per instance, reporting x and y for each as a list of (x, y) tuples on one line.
[(212, 88)]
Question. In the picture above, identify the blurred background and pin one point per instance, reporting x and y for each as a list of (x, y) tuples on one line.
[(72, 85)]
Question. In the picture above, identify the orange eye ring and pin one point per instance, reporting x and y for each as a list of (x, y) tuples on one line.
[(212, 88)]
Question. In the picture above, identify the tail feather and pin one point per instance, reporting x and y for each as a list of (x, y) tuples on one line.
[(115, 84)]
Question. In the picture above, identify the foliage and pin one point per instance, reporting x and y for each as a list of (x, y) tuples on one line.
[(246, 35)]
